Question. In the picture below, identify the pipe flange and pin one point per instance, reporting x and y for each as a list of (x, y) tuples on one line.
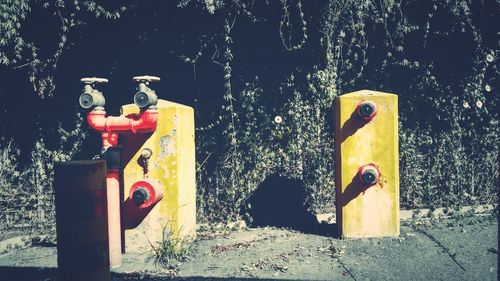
[(146, 192), (368, 174), (92, 98), (367, 110)]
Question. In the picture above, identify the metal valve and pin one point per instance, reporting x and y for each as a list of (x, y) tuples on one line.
[(91, 97), (140, 196), (368, 174), (145, 96), (146, 192), (367, 110)]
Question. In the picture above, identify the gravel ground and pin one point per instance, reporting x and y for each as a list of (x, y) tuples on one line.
[(447, 249)]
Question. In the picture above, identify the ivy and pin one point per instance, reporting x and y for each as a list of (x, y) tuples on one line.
[(440, 57), (18, 53)]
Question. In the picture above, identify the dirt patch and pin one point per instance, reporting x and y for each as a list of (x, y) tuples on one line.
[(270, 253), (218, 249)]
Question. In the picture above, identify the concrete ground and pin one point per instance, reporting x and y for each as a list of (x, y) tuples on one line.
[(445, 249)]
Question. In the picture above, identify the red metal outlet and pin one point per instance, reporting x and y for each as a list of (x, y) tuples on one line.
[(146, 192), (368, 174), (367, 110)]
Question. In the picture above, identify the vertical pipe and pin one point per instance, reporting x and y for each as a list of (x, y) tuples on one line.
[(112, 156), (114, 224), (81, 220)]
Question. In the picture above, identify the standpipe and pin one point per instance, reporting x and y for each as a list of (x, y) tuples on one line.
[(111, 127)]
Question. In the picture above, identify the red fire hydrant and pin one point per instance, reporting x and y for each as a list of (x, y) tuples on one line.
[(111, 127)]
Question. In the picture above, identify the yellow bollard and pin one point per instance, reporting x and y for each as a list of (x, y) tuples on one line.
[(367, 164), (166, 156)]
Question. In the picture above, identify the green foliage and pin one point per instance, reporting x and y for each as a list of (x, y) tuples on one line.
[(27, 196), (11, 178), (440, 57), (292, 139), (446, 171), (12, 13), (170, 248), (17, 52), (449, 118), (40, 173)]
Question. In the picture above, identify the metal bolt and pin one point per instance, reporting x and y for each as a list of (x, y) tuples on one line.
[(146, 153)]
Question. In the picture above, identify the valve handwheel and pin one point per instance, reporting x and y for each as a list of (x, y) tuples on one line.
[(91, 97), (146, 78), (94, 80)]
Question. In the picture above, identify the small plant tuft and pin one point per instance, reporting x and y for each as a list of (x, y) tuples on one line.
[(170, 248)]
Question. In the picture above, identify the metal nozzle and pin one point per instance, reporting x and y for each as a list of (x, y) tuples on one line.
[(140, 196), (367, 110), (145, 97), (91, 97), (369, 176)]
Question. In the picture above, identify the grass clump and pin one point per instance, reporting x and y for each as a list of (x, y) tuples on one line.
[(171, 247)]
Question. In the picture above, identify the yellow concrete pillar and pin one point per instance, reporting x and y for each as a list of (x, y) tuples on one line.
[(172, 162), (367, 164)]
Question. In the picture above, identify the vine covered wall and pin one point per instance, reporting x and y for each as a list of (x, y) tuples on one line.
[(262, 77)]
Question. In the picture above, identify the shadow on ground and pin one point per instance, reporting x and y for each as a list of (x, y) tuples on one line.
[(50, 274), (279, 202), (27, 273)]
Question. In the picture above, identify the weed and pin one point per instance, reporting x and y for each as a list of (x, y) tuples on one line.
[(171, 247)]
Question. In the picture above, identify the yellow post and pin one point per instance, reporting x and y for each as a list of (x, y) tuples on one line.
[(367, 165), (172, 162)]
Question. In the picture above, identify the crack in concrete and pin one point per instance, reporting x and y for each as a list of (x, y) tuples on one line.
[(345, 268), (434, 239)]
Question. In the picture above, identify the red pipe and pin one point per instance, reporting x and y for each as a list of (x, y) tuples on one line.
[(109, 140), (135, 123), (110, 128), (114, 223)]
